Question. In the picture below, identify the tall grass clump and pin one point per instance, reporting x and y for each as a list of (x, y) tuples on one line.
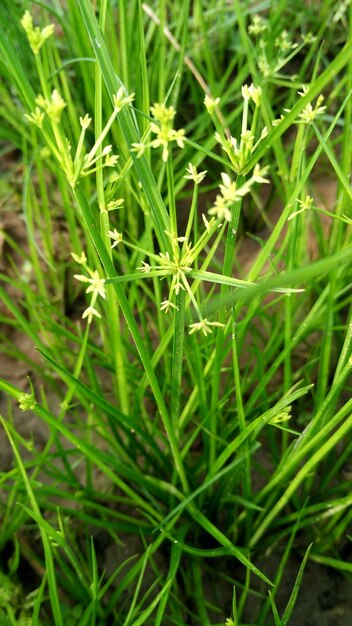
[(180, 299)]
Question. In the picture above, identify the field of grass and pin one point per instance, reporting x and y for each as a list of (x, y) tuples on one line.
[(175, 304)]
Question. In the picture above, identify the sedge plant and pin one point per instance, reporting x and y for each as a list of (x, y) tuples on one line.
[(195, 395)]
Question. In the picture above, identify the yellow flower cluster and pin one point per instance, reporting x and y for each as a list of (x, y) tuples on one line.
[(96, 286), (35, 35), (162, 128)]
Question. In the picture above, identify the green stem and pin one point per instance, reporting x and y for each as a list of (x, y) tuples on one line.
[(227, 271), (134, 330), (176, 376), (113, 310), (171, 195)]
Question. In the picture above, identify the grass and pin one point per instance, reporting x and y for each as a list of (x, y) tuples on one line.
[(194, 394)]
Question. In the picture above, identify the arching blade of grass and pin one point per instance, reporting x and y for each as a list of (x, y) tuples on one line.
[(185, 501), (286, 281), (338, 564), (152, 606), (174, 565), (293, 597), (276, 615), (224, 541), (134, 599), (38, 602)]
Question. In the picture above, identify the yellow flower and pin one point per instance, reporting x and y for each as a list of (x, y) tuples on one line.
[(204, 326), (53, 107), (115, 236), (89, 313), (96, 284), (120, 100), (80, 259), (36, 117), (167, 305), (197, 177), (211, 104)]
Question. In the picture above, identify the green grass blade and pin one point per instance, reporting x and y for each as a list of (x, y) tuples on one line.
[(128, 125), (293, 597), (48, 551)]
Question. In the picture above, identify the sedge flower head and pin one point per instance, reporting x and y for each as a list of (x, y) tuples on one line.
[(252, 93), (36, 36), (164, 132), (139, 149), (53, 106), (162, 128), (89, 313), (305, 205), (309, 114), (258, 25), (81, 259), (36, 117), (115, 236), (162, 113), (230, 193), (27, 401), (120, 99), (204, 326), (115, 204), (284, 43), (259, 174), (111, 160), (96, 284), (192, 174), (211, 104), (144, 268), (85, 121), (308, 38), (245, 92), (166, 305), (209, 224), (282, 416)]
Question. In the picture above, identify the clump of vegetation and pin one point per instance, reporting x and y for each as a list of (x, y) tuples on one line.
[(187, 291)]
